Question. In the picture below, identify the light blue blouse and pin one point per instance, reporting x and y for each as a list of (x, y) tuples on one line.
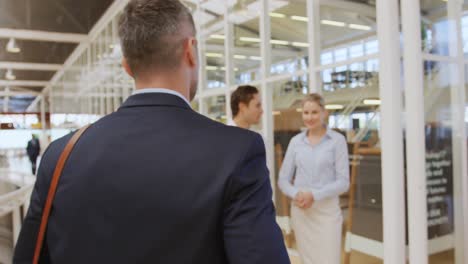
[(322, 169)]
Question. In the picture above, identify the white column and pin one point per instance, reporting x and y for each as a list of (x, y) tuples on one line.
[(201, 50), (415, 144), (6, 99), (43, 114), (393, 195), (313, 34), (16, 218), (267, 98), (228, 57), (458, 130)]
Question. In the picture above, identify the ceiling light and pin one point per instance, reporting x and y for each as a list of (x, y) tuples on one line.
[(372, 102), (211, 68), (333, 23), (300, 18), (11, 46), (214, 55), (278, 15), (300, 44), (216, 36), (276, 113), (9, 75), (255, 58), (240, 57), (299, 110), (334, 107), (360, 27), (279, 42), (249, 39)]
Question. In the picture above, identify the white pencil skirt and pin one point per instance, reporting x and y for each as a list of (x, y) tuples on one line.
[(318, 232)]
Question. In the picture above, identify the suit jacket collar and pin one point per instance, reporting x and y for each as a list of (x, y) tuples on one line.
[(155, 99)]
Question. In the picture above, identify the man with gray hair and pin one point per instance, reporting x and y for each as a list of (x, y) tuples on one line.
[(156, 182)]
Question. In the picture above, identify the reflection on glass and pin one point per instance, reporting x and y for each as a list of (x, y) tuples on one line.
[(438, 83), (435, 27), (357, 75)]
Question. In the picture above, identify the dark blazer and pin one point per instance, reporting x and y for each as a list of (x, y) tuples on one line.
[(33, 148), (156, 182)]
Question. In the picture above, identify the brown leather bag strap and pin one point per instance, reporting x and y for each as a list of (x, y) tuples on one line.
[(52, 189)]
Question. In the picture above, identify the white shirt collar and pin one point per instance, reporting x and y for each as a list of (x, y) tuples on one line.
[(161, 90), (231, 122)]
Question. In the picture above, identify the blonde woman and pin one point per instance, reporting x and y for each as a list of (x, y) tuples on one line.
[(317, 159)]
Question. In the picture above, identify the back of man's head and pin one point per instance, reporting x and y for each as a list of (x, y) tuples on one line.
[(152, 34), (243, 94)]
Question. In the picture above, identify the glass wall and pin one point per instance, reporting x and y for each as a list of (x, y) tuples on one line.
[(442, 107)]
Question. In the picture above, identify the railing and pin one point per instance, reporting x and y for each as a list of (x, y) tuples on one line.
[(16, 202)]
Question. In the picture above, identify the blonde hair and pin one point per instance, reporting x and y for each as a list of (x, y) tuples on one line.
[(314, 98)]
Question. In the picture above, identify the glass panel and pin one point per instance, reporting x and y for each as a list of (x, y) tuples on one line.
[(246, 57), (212, 30), (216, 108), (438, 83), (435, 27), (196, 105), (351, 76), (289, 42)]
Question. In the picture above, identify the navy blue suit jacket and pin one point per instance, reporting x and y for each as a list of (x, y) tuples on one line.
[(156, 182)]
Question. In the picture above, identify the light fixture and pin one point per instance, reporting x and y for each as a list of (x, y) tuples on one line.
[(333, 23), (299, 110), (334, 107), (240, 57), (300, 44), (255, 58), (300, 18), (11, 46), (279, 42), (278, 15), (360, 27), (246, 39), (9, 75), (372, 101), (216, 36), (276, 113), (214, 55), (211, 68)]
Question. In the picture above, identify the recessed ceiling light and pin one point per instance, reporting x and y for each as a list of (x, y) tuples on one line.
[(360, 27), (12, 47), (9, 75), (333, 23), (214, 55), (216, 36), (279, 42), (300, 44), (372, 101), (334, 107), (240, 57), (278, 15), (246, 39), (255, 58), (300, 18)]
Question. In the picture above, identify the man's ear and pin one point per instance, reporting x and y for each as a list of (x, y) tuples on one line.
[(127, 68), (242, 106), (191, 49)]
